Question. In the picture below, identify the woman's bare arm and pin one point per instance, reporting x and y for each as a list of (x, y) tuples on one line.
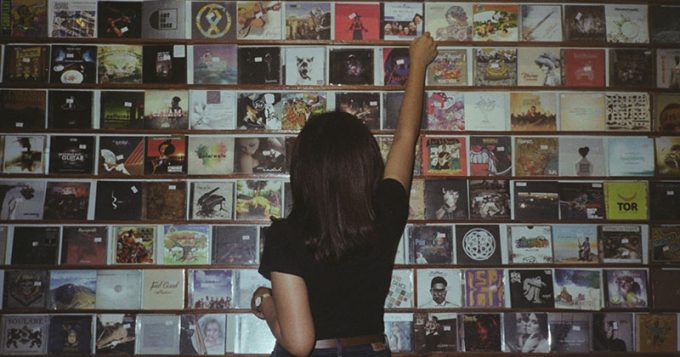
[(399, 165)]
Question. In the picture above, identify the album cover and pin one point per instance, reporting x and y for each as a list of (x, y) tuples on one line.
[(490, 156), (23, 154), (24, 334), (164, 64), (234, 245), (401, 21), (212, 200), (259, 65), (432, 332), (449, 22), (575, 243), (260, 155), (72, 289), (67, 200), (212, 64), (399, 332), (539, 66), (581, 156), (449, 68), (121, 109), (526, 332), (667, 159), (495, 66), (656, 332), (258, 199), (213, 20), (73, 64), (529, 244), (578, 289), (364, 106), (163, 289), (121, 156), (76, 19), (26, 64), (4, 238), (115, 334), (22, 200), (308, 21), (582, 111), (166, 155), (631, 67), (446, 199), (298, 107), (84, 245), (665, 107), (33, 245), (119, 289), (26, 18), (484, 288), (613, 332), (536, 200), (445, 111), (259, 20), (628, 111), (202, 334), (581, 200), (416, 203), (23, 109), (70, 335), (164, 109), (584, 67), (396, 64), (533, 111), (400, 293), (444, 156), (481, 332), (351, 66), (570, 332), (165, 200), (25, 289), (259, 110), (541, 22), (626, 288), (536, 156), (668, 68), (585, 23), (252, 335), (665, 298), (210, 155), (158, 334), (70, 109), (626, 23), (478, 244), (119, 19), (430, 244), (134, 244), (72, 154), (439, 288), (164, 19), (630, 156), (531, 288), (495, 22), (489, 199), (211, 289), (186, 244), (486, 111), (667, 196), (212, 109), (357, 21), (248, 281), (664, 29), (119, 64), (665, 244)]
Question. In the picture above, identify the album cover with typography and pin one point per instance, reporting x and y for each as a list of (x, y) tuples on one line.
[(166, 155), (164, 19), (400, 293), (490, 199), (536, 156), (72, 154), (484, 288), (121, 109), (430, 244), (163, 289), (210, 155), (539, 66), (119, 19), (115, 334), (449, 68), (531, 288), (495, 22), (584, 67), (211, 200), (72, 19), (165, 109), (67, 200), (213, 20), (70, 109), (26, 289), (536, 200), (213, 64), (446, 199), (164, 64), (357, 21), (626, 200), (23, 108), (444, 155), (365, 106), (26, 64), (626, 23), (401, 21), (351, 66), (33, 245), (581, 200), (445, 111), (585, 23), (119, 64), (570, 332), (478, 244), (235, 244), (530, 244), (259, 65), (24, 334), (121, 156), (73, 64), (449, 21), (164, 200), (118, 200), (495, 66), (490, 156), (22, 200), (84, 245)]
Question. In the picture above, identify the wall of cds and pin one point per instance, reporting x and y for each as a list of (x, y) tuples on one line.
[(145, 146)]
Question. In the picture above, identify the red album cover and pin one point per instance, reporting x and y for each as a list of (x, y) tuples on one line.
[(583, 67), (357, 22), (166, 155)]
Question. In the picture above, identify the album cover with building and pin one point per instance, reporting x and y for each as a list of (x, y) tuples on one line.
[(119, 64), (531, 288), (119, 19), (450, 21), (73, 64), (430, 244), (490, 199), (23, 108), (67, 200), (478, 244), (495, 22), (70, 109)]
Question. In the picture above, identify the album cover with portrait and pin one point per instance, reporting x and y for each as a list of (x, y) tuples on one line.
[(134, 244), (399, 332), (536, 200), (536, 156), (395, 64), (531, 288), (259, 65), (541, 22), (539, 66), (666, 105), (585, 23), (213, 20), (449, 21), (357, 21), (213, 64), (259, 20), (366, 106), (401, 20), (478, 244), (73, 64), (444, 155), (449, 68), (118, 200), (211, 289), (490, 199), (234, 244), (446, 199), (202, 334), (575, 244), (625, 288), (495, 22), (487, 111), (581, 200), (481, 332), (435, 332), (578, 289), (165, 109), (308, 20), (23, 108), (351, 66), (626, 23), (70, 334), (613, 332), (119, 19), (581, 156), (119, 64), (526, 332), (445, 111), (530, 244), (495, 66), (439, 288), (166, 155), (67, 200), (70, 109), (430, 244), (260, 155), (72, 154), (490, 156)]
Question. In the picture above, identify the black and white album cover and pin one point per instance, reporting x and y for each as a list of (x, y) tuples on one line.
[(118, 200), (478, 244), (531, 288), (446, 199), (72, 154), (70, 109)]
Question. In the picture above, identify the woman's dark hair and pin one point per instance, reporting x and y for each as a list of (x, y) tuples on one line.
[(334, 172)]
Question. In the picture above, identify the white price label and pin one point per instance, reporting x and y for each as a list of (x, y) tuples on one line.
[(521, 184), (127, 104), (19, 125), (257, 59), (97, 239), (172, 187), (245, 237), (134, 189)]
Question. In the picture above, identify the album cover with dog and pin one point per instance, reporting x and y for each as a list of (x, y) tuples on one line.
[(449, 21), (536, 200), (211, 200), (121, 289), (166, 109), (613, 332), (495, 22), (582, 111), (259, 20), (539, 66), (581, 156), (628, 111), (260, 155), (445, 111), (446, 199), (84, 245), (533, 111), (585, 23), (115, 334), (481, 332), (667, 62), (395, 64), (164, 200), (626, 23), (667, 192), (351, 66), (584, 67), (357, 21), (581, 201), (26, 64), (72, 154), (67, 200), (399, 331), (212, 109), (578, 289), (490, 199), (258, 199), (26, 289), (488, 111), (308, 20), (22, 200), (570, 332), (234, 244), (121, 109), (541, 22), (166, 155), (121, 156), (530, 244), (663, 28), (119, 64), (444, 156), (213, 20), (118, 200), (478, 244), (298, 107), (449, 68), (119, 19), (70, 109), (164, 64), (73, 64), (364, 105), (25, 334), (526, 332), (430, 244), (33, 245), (164, 19), (23, 154), (202, 334), (213, 64), (495, 66), (25, 18), (186, 244), (536, 156), (490, 156), (72, 289), (23, 108), (210, 155), (625, 288), (664, 243), (259, 65), (435, 332), (631, 67), (401, 20), (531, 288), (259, 110), (134, 244)]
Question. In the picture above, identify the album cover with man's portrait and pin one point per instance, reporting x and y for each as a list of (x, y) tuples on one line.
[(446, 199)]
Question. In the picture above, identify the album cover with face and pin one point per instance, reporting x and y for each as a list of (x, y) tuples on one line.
[(613, 332), (526, 332), (351, 66), (439, 288), (357, 21), (401, 21), (395, 64), (305, 66), (24, 289), (446, 199), (202, 334), (531, 288), (539, 66), (434, 332), (166, 155), (626, 288), (260, 155), (478, 244), (481, 332)]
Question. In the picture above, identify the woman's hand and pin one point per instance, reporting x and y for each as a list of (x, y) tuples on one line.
[(263, 293), (422, 51)]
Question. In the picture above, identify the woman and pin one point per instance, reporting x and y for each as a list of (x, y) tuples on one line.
[(330, 261)]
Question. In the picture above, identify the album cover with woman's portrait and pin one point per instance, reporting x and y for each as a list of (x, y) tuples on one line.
[(260, 155), (357, 21), (526, 332), (613, 332), (202, 334), (399, 332)]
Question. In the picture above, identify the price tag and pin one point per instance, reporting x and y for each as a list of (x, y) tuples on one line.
[(97, 239), (37, 283), (134, 189), (69, 100), (670, 193), (400, 61), (500, 148), (373, 103), (666, 248), (258, 15), (172, 187), (26, 60), (124, 29), (521, 184), (127, 104), (257, 59), (19, 124), (126, 325), (139, 240), (245, 237), (178, 51), (120, 157), (447, 328), (544, 147), (82, 146), (597, 185), (624, 240), (35, 244), (576, 328)]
